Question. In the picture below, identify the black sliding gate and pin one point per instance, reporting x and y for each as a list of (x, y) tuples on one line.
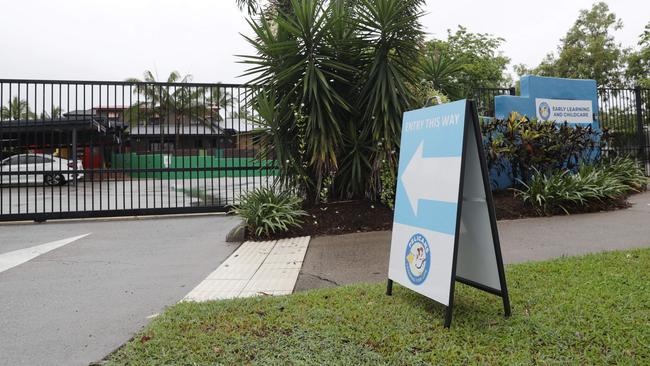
[(72, 149)]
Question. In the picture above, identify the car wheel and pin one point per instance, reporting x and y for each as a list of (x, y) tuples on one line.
[(48, 179), (59, 180), (54, 180)]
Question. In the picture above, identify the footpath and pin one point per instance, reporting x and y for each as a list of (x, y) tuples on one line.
[(363, 257)]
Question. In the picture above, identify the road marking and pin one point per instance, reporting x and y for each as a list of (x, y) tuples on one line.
[(255, 269), (17, 257)]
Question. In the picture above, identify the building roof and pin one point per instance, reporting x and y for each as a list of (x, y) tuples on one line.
[(80, 112), (238, 124), (171, 129), (54, 124)]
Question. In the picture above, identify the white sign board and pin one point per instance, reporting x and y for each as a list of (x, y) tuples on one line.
[(444, 228), (564, 110)]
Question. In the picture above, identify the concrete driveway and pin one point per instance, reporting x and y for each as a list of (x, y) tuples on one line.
[(127, 194), (81, 300)]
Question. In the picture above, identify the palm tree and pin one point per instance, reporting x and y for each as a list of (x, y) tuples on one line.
[(56, 113), (165, 101), (221, 99), (168, 101), (159, 100), (17, 109)]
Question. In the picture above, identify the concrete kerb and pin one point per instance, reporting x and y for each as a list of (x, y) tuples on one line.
[(237, 234)]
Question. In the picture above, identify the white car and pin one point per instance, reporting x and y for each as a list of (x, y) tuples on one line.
[(40, 168)]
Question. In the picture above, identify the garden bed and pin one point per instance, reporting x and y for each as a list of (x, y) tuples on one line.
[(555, 320), (361, 216), (509, 207)]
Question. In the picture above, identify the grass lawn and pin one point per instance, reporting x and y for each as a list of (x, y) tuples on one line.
[(580, 310)]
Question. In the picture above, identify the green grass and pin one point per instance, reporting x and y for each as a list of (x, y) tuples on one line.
[(580, 310)]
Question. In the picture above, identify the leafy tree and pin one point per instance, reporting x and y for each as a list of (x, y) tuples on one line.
[(335, 79), (17, 110), (588, 50), (638, 62), (464, 62)]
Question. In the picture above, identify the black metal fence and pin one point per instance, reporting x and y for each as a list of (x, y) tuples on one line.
[(624, 114), (84, 149), (484, 98), (95, 148)]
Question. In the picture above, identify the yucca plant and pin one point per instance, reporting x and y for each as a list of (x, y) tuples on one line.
[(267, 211), (335, 77), (439, 68)]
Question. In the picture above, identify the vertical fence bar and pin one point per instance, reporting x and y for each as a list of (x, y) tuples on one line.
[(639, 123)]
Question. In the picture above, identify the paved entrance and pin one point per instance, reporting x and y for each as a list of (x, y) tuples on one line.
[(81, 297)]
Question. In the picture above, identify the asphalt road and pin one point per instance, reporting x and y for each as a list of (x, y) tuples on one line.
[(75, 304)]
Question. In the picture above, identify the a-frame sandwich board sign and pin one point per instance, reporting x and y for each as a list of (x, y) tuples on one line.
[(444, 228)]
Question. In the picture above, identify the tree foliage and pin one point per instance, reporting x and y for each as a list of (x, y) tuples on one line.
[(588, 50), (464, 62), (335, 80), (17, 110), (55, 112), (638, 62), (175, 100)]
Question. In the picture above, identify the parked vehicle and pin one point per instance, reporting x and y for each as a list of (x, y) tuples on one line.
[(39, 168)]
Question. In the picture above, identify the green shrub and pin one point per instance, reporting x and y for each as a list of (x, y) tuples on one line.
[(605, 182), (426, 94), (627, 171), (388, 186), (266, 211), (519, 147)]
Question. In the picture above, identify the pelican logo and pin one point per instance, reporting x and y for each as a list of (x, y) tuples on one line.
[(417, 259), (544, 111)]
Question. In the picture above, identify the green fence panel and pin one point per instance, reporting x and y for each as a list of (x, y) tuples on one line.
[(191, 166)]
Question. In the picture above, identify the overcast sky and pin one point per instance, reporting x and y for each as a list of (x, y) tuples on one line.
[(116, 39)]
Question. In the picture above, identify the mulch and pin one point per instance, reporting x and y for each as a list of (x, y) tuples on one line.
[(360, 215)]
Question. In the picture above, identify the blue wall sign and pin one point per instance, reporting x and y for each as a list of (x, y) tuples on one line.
[(554, 99)]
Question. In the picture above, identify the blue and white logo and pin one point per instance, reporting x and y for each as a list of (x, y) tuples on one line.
[(544, 111), (417, 259)]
